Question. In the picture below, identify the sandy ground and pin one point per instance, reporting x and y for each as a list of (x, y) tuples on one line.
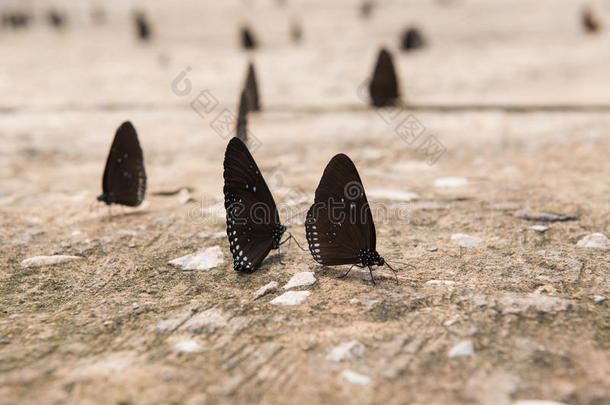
[(122, 326)]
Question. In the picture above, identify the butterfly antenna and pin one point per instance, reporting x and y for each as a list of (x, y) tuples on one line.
[(393, 271), (297, 242), (404, 264)]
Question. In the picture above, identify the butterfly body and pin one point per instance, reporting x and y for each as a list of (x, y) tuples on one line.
[(124, 179), (253, 222), (370, 258)]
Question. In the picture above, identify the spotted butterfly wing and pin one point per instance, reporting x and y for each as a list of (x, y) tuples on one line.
[(339, 225), (253, 221), (124, 179)]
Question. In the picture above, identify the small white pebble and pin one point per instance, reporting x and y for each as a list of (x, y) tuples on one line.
[(450, 182), (355, 378), (346, 351), (539, 228), (440, 282), (452, 320), (39, 261), (462, 349), (187, 346), (206, 260), (291, 298), (595, 241), (465, 240), (301, 280), (266, 289), (599, 299)]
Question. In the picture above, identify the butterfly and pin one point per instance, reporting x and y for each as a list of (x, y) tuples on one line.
[(339, 225), (241, 129), (253, 221), (124, 177), (251, 89), (383, 87)]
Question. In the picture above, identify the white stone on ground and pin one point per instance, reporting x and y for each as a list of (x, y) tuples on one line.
[(215, 235), (450, 182), (515, 304), (187, 346), (452, 321), (462, 349), (300, 280), (184, 196), (599, 299), (207, 321), (465, 240), (440, 282), (346, 351), (595, 240), (539, 228), (39, 261), (390, 194), (206, 260), (266, 289), (355, 378), (290, 298)]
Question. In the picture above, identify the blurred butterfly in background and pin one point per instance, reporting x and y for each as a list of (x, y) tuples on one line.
[(124, 177), (339, 225), (253, 221)]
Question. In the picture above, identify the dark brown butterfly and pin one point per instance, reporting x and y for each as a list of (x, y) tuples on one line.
[(339, 225), (142, 26), (412, 39), (124, 177), (590, 21), (251, 90), (247, 38), (241, 129), (253, 221), (383, 87)]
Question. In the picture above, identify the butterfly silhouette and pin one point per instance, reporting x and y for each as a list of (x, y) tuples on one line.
[(124, 179), (253, 221)]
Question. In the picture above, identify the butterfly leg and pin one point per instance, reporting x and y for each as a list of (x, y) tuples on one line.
[(279, 252), (347, 272), (393, 271), (372, 278)]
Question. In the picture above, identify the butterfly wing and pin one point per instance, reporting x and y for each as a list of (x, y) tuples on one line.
[(252, 214), (339, 224), (124, 176)]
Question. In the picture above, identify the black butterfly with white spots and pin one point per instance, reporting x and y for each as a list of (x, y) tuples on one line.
[(253, 221), (124, 179), (339, 225)]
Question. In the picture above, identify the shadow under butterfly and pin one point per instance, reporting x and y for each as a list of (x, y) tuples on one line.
[(339, 225), (253, 221), (124, 179)]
